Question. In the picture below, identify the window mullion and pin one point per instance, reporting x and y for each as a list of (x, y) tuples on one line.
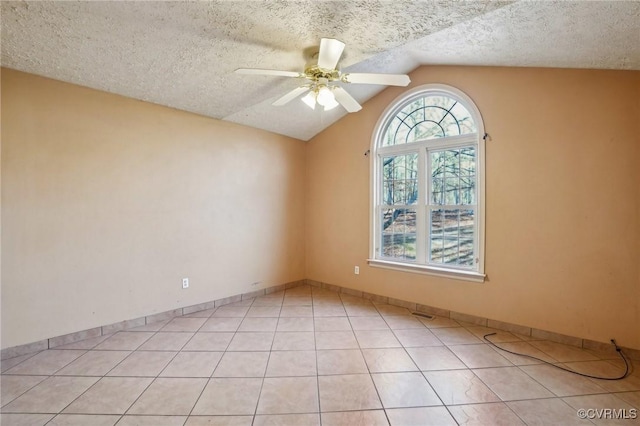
[(429, 206), (379, 207), (421, 244)]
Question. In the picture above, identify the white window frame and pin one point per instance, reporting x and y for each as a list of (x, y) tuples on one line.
[(423, 147)]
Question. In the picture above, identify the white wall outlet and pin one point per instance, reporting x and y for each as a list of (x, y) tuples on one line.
[(185, 283), (356, 270)]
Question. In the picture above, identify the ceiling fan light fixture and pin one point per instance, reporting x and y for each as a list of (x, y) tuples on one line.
[(326, 98), (331, 105), (310, 99)]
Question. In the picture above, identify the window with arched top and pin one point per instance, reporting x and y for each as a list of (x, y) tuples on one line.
[(428, 184)]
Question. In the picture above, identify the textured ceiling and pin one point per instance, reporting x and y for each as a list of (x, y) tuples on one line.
[(182, 54)]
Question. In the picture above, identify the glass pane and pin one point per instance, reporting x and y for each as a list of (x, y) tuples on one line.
[(453, 176), (466, 123), (452, 237), (400, 179), (401, 133), (389, 135), (437, 164), (434, 113), (387, 193), (468, 161), (451, 224), (467, 190), (426, 118), (411, 191), (452, 162), (398, 191), (467, 218), (399, 221), (451, 191), (437, 191), (450, 125), (435, 248), (450, 251), (437, 222), (399, 234), (425, 130), (466, 252)]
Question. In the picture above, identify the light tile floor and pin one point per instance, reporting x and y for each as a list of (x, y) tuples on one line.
[(309, 356)]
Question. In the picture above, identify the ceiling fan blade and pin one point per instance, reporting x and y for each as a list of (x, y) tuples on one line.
[(258, 71), (291, 95), (330, 53), (382, 79), (346, 100)]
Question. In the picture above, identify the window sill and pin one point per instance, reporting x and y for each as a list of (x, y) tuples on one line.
[(428, 270)]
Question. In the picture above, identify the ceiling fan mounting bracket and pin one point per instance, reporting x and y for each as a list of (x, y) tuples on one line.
[(344, 78)]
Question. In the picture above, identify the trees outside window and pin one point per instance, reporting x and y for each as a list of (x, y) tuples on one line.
[(428, 184)]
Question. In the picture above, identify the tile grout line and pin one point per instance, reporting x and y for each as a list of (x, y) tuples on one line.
[(145, 389), (49, 376), (370, 374), (264, 375), (384, 409), (159, 373), (13, 399), (530, 332), (422, 373), (315, 346), (216, 366)]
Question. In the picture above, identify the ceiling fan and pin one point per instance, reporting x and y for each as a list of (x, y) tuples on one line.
[(323, 78)]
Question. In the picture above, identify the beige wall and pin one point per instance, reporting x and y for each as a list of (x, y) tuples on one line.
[(108, 202), (563, 202)]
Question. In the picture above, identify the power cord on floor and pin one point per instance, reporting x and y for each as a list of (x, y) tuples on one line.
[(626, 364)]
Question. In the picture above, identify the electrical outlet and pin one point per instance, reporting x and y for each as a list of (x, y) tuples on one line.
[(356, 270), (185, 283)]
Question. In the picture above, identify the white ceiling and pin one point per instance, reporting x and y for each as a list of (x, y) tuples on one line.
[(182, 54)]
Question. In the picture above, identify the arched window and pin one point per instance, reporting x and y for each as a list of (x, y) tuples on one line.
[(428, 184)]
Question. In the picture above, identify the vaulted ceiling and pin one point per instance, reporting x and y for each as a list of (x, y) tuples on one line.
[(182, 54)]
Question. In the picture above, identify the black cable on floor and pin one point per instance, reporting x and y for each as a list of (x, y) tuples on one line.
[(626, 364)]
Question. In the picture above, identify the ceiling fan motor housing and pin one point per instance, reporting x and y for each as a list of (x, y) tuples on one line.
[(314, 72)]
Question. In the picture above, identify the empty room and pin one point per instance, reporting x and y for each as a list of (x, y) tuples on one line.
[(320, 213)]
